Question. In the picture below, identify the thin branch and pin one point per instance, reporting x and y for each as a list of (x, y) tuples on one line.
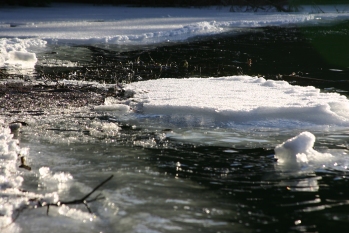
[(83, 200), (98, 186), (39, 204)]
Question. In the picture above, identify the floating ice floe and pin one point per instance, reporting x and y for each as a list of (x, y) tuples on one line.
[(236, 101), (121, 108)]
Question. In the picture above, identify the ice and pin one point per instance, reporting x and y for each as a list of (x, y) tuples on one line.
[(24, 59), (14, 52), (121, 108), (10, 179), (298, 152), (229, 102), (236, 101), (13, 199), (86, 24)]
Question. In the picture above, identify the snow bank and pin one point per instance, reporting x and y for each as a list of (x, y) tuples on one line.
[(236, 100)]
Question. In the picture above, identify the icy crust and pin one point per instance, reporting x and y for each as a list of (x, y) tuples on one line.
[(10, 180), (133, 25), (13, 199), (237, 100)]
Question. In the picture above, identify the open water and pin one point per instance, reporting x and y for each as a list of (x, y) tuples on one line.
[(185, 184)]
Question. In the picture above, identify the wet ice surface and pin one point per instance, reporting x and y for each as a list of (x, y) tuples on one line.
[(182, 179), (185, 156), (64, 24), (181, 189), (139, 198), (237, 100)]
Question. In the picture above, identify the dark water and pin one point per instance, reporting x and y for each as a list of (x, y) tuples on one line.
[(263, 198), (318, 55)]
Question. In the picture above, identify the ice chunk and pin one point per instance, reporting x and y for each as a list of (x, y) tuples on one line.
[(121, 108), (298, 151), (22, 59), (54, 181), (14, 52)]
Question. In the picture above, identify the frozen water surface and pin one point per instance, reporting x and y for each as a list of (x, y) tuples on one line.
[(84, 24), (187, 155), (237, 100)]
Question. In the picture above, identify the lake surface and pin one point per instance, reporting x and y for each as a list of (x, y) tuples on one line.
[(190, 179)]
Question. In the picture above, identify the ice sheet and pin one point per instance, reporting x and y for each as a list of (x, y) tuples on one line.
[(237, 100), (229, 102), (133, 25), (87, 24)]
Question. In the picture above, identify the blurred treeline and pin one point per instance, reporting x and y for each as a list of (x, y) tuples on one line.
[(176, 3)]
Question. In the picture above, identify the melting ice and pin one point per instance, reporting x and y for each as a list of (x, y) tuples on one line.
[(237, 101), (14, 53), (85, 24), (298, 152)]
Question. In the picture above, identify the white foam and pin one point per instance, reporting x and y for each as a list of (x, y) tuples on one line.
[(237, 100)]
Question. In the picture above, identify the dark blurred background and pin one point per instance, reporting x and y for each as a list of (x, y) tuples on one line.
[(281, 5)]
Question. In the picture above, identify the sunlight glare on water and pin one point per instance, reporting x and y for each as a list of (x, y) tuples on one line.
[(203, 135), (140, 198)]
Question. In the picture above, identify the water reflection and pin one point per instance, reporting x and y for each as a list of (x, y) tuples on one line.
[(166, 182), (300, 55), (189, 187)]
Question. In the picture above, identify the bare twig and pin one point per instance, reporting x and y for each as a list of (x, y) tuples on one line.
[(38, 203), (83, 200)]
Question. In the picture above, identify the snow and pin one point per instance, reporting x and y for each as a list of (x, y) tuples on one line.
[(10, 180), (236, 100), (108, 24), (87, 24), (298, 151), (14, 52), (12, 197)]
